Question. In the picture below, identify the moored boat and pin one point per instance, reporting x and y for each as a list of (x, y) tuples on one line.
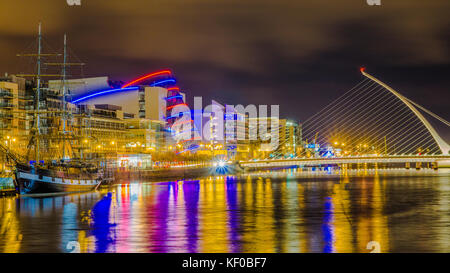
[(32, 179), (61, 172)]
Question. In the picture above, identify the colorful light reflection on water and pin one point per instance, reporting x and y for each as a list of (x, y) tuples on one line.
[(405, 211)]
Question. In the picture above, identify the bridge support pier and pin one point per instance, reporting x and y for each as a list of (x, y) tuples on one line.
[(434, 165), (407, 165), (418, 165)]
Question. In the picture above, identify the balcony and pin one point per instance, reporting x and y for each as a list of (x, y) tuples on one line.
[(5, 93), (7, 116), (6, 105)]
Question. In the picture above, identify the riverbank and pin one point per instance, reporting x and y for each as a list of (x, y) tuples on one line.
[(177, 173)]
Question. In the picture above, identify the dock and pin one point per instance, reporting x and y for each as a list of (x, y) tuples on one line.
[(7, 192)]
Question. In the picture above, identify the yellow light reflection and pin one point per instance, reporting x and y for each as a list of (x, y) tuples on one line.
[(341, 222), (212, 216), (9, 226), (259, 235)]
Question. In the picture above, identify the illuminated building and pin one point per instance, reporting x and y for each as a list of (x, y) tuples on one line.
[(14, 122), (108, 131), (146, 104), (143, 135), (259, 141), (50, 120), (153, 102), (102, 130), (219, 131), (77, 87), (150, 97), (234, 127), (290, 138), (216, 124), (142, 138)]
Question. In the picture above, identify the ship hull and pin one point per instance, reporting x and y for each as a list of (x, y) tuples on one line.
[(30, 183)]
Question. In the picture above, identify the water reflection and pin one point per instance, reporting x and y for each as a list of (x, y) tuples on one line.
[(285, 211)]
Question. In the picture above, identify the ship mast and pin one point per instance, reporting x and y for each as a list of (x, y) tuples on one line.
[(36, 111), (36, 126), (64, 96), (65, 112), (38, 78)]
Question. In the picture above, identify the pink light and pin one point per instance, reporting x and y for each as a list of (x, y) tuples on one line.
[(162, 72)]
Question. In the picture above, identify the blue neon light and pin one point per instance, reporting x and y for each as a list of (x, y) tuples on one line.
[(178, 115), (174, 97), (163, 82), (105, 92)]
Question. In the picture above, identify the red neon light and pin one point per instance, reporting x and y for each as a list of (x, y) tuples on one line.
[(170, 107), (173, 88), (362, 69), (148, 76)]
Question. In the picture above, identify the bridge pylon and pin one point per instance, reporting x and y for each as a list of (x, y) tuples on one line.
[(443, 145)]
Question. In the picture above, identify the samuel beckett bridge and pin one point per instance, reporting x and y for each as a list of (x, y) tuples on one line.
[(369, 124)]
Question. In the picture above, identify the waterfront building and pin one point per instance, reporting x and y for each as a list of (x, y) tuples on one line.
[(290, 138), (138, 124), (235, 126), (152, 103), (101, 129), (259, 140), (107, 131), (143, 135), (15, 123), (143, 139), (287, 137), (219, 130), (77, 87), (147, 102)]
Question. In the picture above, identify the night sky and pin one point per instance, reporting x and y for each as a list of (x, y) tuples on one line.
[(298, 54)]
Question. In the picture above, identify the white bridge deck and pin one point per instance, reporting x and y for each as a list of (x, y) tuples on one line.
[(344, 160)]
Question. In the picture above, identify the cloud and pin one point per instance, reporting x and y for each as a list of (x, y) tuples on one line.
[(229, 32)]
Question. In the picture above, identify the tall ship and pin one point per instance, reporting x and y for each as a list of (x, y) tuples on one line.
[(64, 172)]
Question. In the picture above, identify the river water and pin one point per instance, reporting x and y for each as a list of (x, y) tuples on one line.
[(280, 211)]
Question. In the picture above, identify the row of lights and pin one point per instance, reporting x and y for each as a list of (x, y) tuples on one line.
[(9, 140)]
